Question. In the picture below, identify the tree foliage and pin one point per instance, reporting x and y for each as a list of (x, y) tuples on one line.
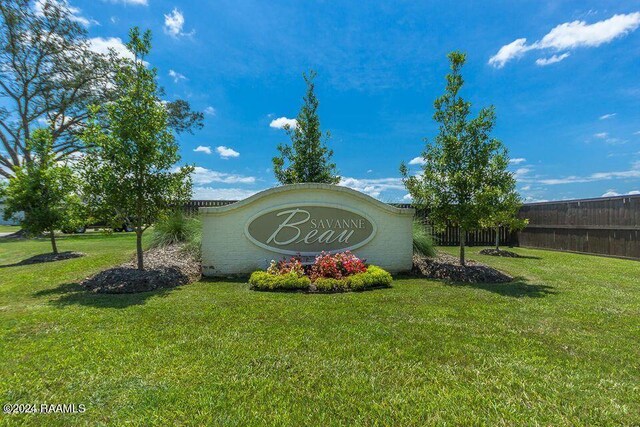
[(464, 167), (504, 212), (43, 192), (129, 170), (307, 159), (50, 74)]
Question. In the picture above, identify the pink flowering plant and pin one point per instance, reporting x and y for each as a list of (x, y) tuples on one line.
[(336, 266)]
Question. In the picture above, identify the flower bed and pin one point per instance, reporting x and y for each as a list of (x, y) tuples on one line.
[(341, 272)]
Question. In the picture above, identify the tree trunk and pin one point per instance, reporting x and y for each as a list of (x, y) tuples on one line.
[(463, 235), (139, 252), (497, 238), (54, 247)]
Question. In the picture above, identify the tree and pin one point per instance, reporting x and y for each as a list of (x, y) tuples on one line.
[(504, 212), (44, 190), (464, 166), (307, 159), (50, 74), (129, 169)]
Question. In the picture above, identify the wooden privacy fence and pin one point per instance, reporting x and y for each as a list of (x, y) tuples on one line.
[(604, 226)]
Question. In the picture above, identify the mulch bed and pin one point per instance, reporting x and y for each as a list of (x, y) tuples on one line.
[(165, 267), (499, 252), (447, 267)]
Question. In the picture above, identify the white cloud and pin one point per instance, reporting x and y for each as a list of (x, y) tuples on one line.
[(417, 161), (210, 111), (202, 149), (407, 198), (373, 187), (130, 2), (211, 193), (226, 152), (526, 188), (601, 135), (283, 122), (632, 173), (74, 12), (174, 23), (103, 45), (176, 76), (607, 116), (510, 51), (521, 173), (207, 176), (517, 160), (551, 60), (612, 193), (570, 35)]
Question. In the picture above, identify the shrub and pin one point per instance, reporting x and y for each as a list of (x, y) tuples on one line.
[(373, 277), (328, 284), (336, 266), (178, 228), (263, 281), (422, 239), (291, 265)]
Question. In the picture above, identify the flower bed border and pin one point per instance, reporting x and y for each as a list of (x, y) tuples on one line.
[(373, 278)]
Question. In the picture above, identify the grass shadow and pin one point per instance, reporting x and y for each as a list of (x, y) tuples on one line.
[(43, 258), (517, 288), (74, 294)]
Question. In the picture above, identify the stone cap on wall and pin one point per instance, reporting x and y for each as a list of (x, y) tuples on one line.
[(217, 210)]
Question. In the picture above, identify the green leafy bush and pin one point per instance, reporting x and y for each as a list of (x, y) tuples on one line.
[(263, 281), (329, 284), (422, 239), (177, 227), (373, 277)]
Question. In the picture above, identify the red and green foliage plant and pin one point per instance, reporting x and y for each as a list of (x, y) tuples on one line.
[(336, 266), (286, 266)]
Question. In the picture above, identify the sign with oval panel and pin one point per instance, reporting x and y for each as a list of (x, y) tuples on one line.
[(308, 229)]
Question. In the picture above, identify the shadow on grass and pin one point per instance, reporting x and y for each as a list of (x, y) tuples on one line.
[(75, 294), (42, 258), (517, 288)]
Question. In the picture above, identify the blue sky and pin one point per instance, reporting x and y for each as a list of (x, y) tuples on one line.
[(567, 97)]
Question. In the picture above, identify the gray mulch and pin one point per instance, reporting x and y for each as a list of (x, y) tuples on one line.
[(165, 267), (447, 267), (499, 252)]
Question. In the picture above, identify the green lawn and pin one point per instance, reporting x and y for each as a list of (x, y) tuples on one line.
[(561, 346)]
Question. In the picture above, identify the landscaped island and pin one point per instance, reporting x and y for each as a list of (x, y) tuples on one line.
[(339, 272)]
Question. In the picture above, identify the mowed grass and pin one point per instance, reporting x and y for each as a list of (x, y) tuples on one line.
[(560, 346)]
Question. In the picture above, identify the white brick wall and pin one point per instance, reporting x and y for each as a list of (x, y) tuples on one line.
[(227, 251)]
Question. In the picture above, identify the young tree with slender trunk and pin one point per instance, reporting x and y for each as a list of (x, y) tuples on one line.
[(307, 159), (505, 208), (463, 166), (43, 193), (129, 170)]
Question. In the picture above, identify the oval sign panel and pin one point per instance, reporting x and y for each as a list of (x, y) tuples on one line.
[(310, 229)]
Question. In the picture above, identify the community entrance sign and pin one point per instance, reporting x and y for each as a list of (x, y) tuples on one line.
[(305, 220), (307, 229)]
